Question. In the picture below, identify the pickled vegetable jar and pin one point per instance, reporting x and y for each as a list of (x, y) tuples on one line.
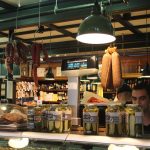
[(38, 118), (30, 116), (55, 123), (114, 120), (134, 121), (66, 117), (90, 119)]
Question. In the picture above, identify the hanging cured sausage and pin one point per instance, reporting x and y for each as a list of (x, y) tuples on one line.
[(111, 69), (106, 73), (116, 69)]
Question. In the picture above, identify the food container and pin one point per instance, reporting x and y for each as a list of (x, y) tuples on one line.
[(90, 119), (54, 116), (134, 121), (12, 117), (30, 116), (66, 117), (115, 120), (38, 118)]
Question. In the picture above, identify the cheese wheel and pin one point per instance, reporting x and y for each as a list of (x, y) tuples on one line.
[(116, 70), (106, 73)]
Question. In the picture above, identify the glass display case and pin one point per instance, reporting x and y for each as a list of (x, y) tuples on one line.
[(55, 141)]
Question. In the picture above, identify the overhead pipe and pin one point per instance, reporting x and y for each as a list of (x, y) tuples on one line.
[(59, 10)]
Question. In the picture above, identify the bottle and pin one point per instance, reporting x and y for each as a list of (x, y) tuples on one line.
[(90, 119)]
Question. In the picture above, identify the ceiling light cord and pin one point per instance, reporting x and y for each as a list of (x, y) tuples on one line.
[(39, 13)]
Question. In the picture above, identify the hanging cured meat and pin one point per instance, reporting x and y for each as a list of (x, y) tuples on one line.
[(9, 52), (9, 55), (111, 69), (116, 69), (35, 51), (22, 50), (106, 73)]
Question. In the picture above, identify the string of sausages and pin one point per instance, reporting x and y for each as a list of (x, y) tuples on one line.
[(111, 74), (35, 52), (17, 52)]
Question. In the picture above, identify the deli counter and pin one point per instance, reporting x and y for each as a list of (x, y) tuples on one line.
[(66, 141)]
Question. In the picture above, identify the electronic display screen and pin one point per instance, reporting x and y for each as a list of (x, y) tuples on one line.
[(77, 64)]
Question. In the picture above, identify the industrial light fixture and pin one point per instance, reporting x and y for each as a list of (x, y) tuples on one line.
[(96, 28), (49, 75)]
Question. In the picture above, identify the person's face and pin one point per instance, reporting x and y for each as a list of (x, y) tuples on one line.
[(141, 98)]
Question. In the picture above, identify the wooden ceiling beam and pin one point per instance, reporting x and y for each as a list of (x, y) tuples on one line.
[(7, 6), (61, 30), (126, 24), (16, 38)]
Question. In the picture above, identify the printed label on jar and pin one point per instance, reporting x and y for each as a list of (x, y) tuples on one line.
[(138, 117), (31, 111), (30, 125), (37, 118), (67, 117), (55, 116), (90, 117), (112, 117)]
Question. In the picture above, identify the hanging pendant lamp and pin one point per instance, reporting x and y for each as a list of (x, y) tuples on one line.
[(95, 29)]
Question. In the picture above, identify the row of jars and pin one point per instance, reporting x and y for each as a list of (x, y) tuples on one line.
[(50, 118), (120, 120)]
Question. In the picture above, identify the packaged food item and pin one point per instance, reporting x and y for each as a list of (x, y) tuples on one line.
[(45, 117), (38, 118), (30, 115), (12, 117), (134, 121), (115, 120), (55, 123), (90, 119)]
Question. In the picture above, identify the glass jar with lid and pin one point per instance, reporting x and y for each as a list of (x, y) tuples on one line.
[(115, 120), (55, 123), (38, 118), (134, 120), (66, 117), (90, 119)]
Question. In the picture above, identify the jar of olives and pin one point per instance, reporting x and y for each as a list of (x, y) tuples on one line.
[(90, 119), (134, 120), (115, 120)]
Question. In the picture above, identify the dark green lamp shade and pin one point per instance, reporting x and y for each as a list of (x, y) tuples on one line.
[(95, 29), (50, 75)]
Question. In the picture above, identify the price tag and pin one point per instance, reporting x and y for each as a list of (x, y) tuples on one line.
[(39, 102)]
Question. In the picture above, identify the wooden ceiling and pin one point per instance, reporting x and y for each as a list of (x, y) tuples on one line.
[(130, 19)]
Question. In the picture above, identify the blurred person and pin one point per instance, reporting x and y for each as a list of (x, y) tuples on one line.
[(123, 95), (141, 96)]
